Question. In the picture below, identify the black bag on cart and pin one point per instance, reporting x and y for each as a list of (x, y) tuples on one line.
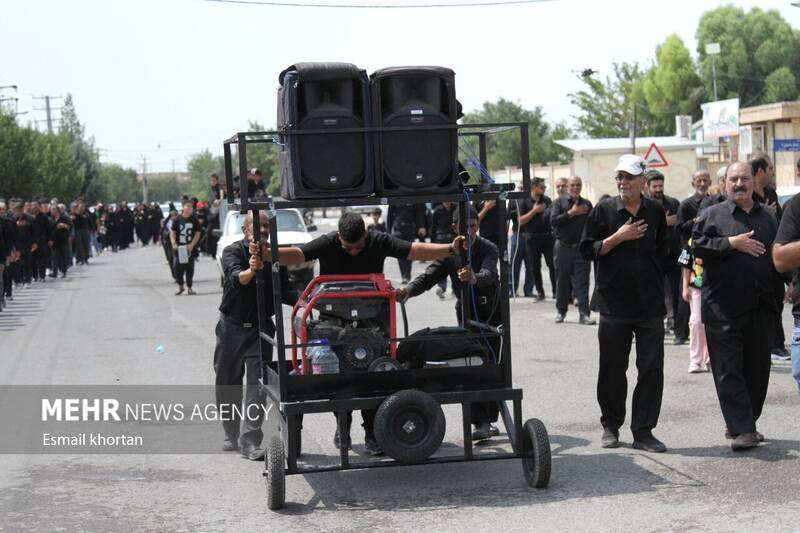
[(324, 96), (422, 347)]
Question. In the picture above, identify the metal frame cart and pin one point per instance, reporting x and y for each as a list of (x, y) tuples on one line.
[(290, 396)]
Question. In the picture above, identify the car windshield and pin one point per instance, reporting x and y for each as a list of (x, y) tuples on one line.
[(287, 221)]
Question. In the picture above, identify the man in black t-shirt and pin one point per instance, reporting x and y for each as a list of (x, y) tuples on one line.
[(786, 255), (185, 232), (534, 226), (354, 250)]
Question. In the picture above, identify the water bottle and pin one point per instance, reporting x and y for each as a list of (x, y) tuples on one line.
[(323, 359)]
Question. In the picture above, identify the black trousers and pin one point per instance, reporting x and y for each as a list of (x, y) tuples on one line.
[(23, 269), (615, 336), (673, 285), (169, 253), (779, 339), (488, 313), (40, 259), (537, 246), (573, 276), (60, 257), (181, 270), (518, 256), (8, 280), (406, 232), (238, 355), (82, 245), (739, 349)]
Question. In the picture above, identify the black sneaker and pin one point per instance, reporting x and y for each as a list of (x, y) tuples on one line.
[(372, 446), (586, 321), (744, 441), (539, 298), (648, 443), (482, 432), (559, 318), (610, 438)]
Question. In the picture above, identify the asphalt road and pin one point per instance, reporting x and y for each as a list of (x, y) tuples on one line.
[(102, 326)]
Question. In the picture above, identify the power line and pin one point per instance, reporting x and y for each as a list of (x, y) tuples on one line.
[(372, 6)]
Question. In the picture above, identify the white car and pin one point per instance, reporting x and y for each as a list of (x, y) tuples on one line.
[(292, 231), (786, 193)]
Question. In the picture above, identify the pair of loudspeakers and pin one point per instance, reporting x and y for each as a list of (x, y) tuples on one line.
[(321, 98)]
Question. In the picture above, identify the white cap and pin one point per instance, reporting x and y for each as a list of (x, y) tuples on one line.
[(632, 164)]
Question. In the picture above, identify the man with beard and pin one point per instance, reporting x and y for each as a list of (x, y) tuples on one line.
[(535, 229), (568, 219), (237, 353), (655, 180), (719, 196), (687, 216), (478, 271), (733, 239), (628, 237), (561, 187)]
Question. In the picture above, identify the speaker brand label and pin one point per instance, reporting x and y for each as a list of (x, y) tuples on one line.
[(417, 112)]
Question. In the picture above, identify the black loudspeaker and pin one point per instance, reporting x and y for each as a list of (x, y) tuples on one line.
[(324, 96), (420, 161)]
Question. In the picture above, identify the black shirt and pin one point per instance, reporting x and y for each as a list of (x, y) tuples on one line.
[(630, 278), (442, 223), (405, 219), (256, 189), (539, 225), (185, 229), (23, 234), (568, 229), (771, 196), (80, 221), (713, 199), (239, 301), (42, 231), (334, 260), (789, 231), (488, 226), (687, 212), (483, 259), (735, 282), (671, 206), (61, 235)]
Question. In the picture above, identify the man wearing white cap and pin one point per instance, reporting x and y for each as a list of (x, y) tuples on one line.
[(627, 236)]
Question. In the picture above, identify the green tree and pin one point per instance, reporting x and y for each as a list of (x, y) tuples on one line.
[(607, 106), (200, 167), (753, 46), (672, 86), (118, 184), (57, 170), (17, 160), (503, 148), (781, 86), (83, 149), (168, 189)]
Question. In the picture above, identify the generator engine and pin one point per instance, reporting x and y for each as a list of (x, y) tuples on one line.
[(355, 314)]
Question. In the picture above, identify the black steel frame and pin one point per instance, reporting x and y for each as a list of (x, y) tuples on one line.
[(340, 393)]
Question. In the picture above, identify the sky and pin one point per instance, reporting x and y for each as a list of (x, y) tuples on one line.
[(163, 79)]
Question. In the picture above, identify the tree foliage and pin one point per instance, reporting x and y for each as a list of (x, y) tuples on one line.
[(753, 46), (503, 148)]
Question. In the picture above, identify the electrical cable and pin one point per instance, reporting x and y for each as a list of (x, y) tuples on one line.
[(373, 6)]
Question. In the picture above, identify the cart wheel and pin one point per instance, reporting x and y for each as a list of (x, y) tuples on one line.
[(536, 443), (409, 426), (276, 473)]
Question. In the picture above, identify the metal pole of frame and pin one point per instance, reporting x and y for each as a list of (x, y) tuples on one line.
[(526, 157), (482, 151), (228, 172), (277, 300), (466, 301), (505, 311), (241, 145)]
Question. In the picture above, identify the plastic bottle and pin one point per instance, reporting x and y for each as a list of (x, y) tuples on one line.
[(323, 359)]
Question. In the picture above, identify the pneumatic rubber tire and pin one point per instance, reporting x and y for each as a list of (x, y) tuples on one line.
[(275, 465), (536, 446), (409, 426)]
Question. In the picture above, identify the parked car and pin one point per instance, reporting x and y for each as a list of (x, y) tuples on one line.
[(292, 231)]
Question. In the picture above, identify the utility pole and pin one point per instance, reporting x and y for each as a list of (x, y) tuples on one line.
[(633, 128), (47, 109), (144, 179), (713, 49)]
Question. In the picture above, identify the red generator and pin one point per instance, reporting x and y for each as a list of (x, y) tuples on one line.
[(354, 314)]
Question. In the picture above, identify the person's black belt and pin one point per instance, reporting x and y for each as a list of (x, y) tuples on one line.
[(564, 243), (235, 322)]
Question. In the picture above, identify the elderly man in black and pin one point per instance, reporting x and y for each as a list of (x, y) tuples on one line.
[(733, 239), (627, 235), (238, 347), (568, 217)]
